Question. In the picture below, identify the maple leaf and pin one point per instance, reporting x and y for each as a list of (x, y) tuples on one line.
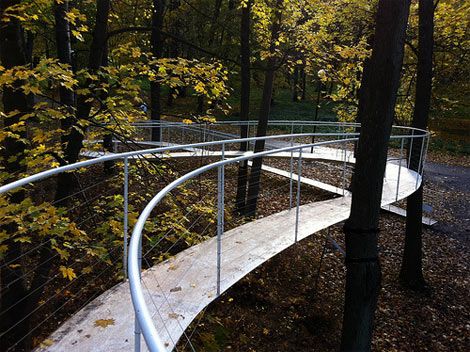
[(104, 323), (67, 273)]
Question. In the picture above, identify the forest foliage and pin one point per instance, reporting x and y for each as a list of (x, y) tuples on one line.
[(190, 48)]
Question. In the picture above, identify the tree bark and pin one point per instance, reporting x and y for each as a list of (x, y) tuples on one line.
[(411, 273), (215, 17), (64, 53), (255, 171), (74, 140), (13, 53), (157, 52), (245, 54), (97, 49), (295, 85), (304, 83), (363, 273)]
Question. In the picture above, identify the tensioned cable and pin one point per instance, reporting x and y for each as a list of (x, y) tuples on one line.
[(166, 299), (58, 309), (169, 305), (177, 283), (44, 284), (201, 215)]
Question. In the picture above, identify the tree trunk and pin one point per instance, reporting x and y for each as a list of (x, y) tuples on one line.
[(245, 54), (255, 171), (108, 143), (64, 54), (295, 85), (411, 273), (361, 229), (304, 83), (75, 138), (98, 45), (12, 53), (157, 51), (215, 17)]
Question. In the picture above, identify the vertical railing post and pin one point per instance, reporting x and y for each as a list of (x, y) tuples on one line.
[(204, 133), (291, 171), (248, 134), (204, 139), (168, 133), (410, 151), (425, 153), (137, 333), (420, 158), (399, 168), (297, 211), (344, 169), (126, 214), (220, 216)]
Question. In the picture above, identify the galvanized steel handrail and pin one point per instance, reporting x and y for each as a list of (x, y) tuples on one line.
[(151, 336), (144, 319), (117, 156)]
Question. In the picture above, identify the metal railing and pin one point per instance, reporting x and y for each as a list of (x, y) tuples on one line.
[(203, 140), (143, 316)]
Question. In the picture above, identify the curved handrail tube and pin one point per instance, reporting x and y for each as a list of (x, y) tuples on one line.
[(116, 156), (272, 123), (143, 315), (151, 335)]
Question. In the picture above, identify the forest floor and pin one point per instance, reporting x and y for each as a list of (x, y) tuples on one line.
[(294, 301)]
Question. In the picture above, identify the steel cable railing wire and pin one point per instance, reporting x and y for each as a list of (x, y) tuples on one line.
[(179, 280), (56, 254), (47, 282), (45, 242), (232, 223), (11, 348), (129, 155), (152, 338), (273, 142)]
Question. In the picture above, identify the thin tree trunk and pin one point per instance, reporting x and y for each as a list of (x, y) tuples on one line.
[(74, 140), (215, 17), (363, 273), (411, 273), (304, 83), (12, 53), (245, 54), (108, 143), (64, 54), (255, 171), (98, 45), (157, 51), (295, 84)]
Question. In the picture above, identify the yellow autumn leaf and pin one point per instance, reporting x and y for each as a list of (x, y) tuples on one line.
[(67, 273), (104, 323), (47, 343)]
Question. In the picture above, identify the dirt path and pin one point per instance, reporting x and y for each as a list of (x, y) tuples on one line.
[(447, 190)]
